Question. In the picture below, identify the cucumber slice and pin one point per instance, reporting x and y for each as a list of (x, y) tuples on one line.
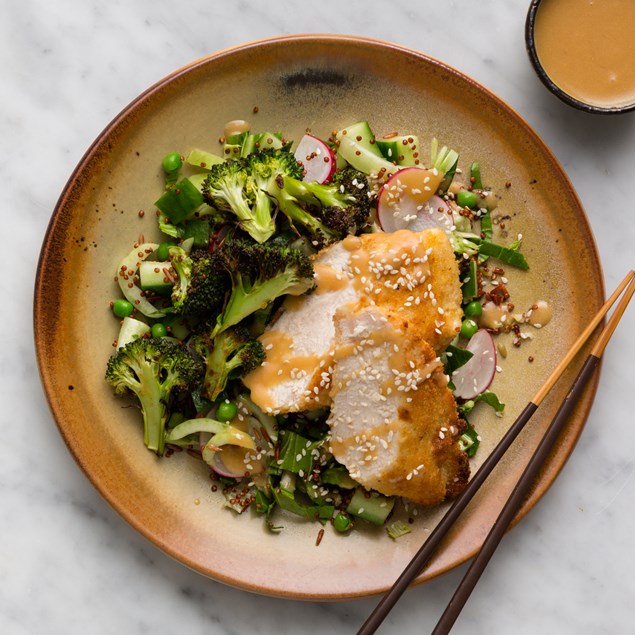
[(402, 149), (270, 140), (338, 476), (180, 201), (363, 159), (153, 277), (362, 135), (202, 159), (372, 506), (177, 326)]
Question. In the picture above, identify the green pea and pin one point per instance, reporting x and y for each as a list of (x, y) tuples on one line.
[(159, 330), (468, 328), (342, 522), (122, 308), (465, 198), (474, 309), (163, 251), (172, 162), (226, 411)]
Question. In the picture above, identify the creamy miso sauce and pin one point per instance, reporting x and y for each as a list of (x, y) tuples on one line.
[(587, 47), (280, 365), (539, 315), (402, 253), (328, 279)]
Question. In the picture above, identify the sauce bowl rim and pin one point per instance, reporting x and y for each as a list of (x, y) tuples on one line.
[(530, 43)]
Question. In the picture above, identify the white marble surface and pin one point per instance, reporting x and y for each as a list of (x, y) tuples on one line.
[(68, 563)]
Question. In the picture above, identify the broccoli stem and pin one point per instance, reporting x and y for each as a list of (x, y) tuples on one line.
[(311, 193), (153, 407), (243, 302), (294, 212), (263, 226)]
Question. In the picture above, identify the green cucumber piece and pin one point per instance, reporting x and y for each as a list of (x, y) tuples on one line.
[(404, 149), (198, 230), (202, 159), (339, 477), (177, 326), (180, 201), (153, 277), (362, 135), (469, 287), (363, 159), (370, 506), (270, 140)]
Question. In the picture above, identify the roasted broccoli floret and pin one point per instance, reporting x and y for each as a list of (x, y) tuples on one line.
[(201, 287), (154, 369), (328, 212), (352, 215), (266, 165), (229, 187), (255, 186), (229, 355), (259, 274)]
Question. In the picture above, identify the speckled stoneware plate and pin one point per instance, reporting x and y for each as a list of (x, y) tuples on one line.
[(321, 83)]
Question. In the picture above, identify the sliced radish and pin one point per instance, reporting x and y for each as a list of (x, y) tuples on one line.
[(215, 459), (477, 373), (407, 201), (317, 159), (217, 464)]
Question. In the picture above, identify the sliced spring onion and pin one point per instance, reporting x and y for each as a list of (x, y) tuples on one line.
[(505, 254), (475, 174), (470, 283), (397, 529)]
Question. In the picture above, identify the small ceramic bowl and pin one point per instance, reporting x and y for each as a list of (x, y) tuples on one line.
[(546, 74)]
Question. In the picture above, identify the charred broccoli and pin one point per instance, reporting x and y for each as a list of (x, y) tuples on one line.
[(259, 274), (153, 369), (201, 287), (229, 355), (230, 187), (327, 212), (252, 186)]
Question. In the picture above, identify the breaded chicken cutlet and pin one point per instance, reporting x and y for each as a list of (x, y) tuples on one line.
[(393, 420), (412, 276), (366, 343)]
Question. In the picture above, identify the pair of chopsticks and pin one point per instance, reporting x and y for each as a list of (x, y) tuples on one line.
[(515, 500)]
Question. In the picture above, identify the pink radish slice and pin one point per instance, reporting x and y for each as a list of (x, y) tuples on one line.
[(477, 374), (222, 470), (317, 159), (406, 202), (217, 461)]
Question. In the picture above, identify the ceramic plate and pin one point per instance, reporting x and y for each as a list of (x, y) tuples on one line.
[(320, 83)]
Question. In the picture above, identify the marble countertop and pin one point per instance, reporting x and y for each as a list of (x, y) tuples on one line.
[(68, 563)]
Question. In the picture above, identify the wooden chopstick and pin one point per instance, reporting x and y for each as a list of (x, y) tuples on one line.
[(467, 584), (428, 548)]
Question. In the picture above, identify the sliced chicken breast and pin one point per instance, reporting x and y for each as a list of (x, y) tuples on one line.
[(296, 373), (393, 420), (412, 276)]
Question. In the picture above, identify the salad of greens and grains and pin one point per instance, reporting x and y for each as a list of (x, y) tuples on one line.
[(317, 324)]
